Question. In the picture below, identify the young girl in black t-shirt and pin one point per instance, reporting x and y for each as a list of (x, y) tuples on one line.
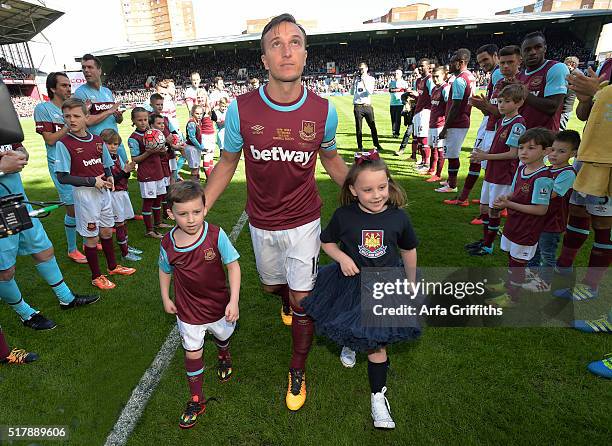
[(369, 230)]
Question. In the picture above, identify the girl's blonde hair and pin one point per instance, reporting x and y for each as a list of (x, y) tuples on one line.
[(397, 194)]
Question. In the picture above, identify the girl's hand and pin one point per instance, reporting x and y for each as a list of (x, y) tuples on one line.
[(348, 267), (231, 312), (169, 306)]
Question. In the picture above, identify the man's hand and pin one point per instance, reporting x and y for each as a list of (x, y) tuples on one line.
[(585, 87), (13, 161), (101, 183)]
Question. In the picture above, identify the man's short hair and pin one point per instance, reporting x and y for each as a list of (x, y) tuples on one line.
[(277, 21), (184, 191), (194, 72), (489, 48), (52, 82), (510, 50), (571, 137), (539, 135), (514, 92), (463, 54), (156, 97), (424, 59), (88, 56), (533, 35), (73, 102), (363, 64)]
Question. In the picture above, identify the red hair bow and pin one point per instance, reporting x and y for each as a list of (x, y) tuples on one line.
[(361, 157)]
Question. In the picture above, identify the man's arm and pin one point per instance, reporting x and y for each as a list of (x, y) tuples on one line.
[(554, 92), (220, 176), (96, 119), (548, 105), (52, 137), (334, 165)]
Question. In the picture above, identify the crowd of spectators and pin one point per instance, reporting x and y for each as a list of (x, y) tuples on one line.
[(24, 105), (127, 80), (381, 57), (10, 71)]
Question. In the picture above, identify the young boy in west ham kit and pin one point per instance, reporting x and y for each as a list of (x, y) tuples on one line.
[(150, 174), (84, 162), (527, 207), (563, 174), (194, 252), (501, 164)]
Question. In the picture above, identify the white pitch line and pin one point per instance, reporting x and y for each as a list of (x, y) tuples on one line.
[(135, 406)]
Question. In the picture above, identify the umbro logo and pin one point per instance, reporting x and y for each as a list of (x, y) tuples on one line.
[(257, 129)]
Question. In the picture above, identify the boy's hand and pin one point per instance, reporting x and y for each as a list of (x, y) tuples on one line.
[(231, 312), (477, 156), (501, 202), (129, 167), (169, 306), (348, 267)]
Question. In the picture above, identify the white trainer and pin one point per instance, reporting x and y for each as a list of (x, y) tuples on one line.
[(381, 411), (348, 357)]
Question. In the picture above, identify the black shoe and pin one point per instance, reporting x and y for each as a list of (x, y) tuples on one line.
[(190, 415), (474, 245), (379, 148), (39, 322), (79, 301), (481, 251)]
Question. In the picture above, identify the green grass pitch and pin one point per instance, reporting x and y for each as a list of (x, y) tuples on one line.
[(471, 386)]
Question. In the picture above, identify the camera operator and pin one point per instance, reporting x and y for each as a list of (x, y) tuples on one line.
[(362, 89), (34, 242)]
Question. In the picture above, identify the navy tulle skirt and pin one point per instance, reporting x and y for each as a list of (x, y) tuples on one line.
[(335, 306)]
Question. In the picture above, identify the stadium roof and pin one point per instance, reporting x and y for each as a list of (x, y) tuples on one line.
[(364, 30), (20, 21)]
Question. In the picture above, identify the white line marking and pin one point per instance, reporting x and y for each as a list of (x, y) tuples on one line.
[(135, 406)]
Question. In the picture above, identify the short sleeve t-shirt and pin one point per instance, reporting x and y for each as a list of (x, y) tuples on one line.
[(48, 117), (281, 143), (200, 289), (371, 240)]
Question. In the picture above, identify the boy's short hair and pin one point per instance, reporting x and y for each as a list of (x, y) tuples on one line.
[(539, 135), (156, 97), (184, 191), (569, 136), (110, 136), (153, 117), (514, 92), (73, 102), (510, 50), (223, 100)]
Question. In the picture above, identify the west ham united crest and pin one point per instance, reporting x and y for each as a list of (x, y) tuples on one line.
[(372, 243), (308, 132)]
